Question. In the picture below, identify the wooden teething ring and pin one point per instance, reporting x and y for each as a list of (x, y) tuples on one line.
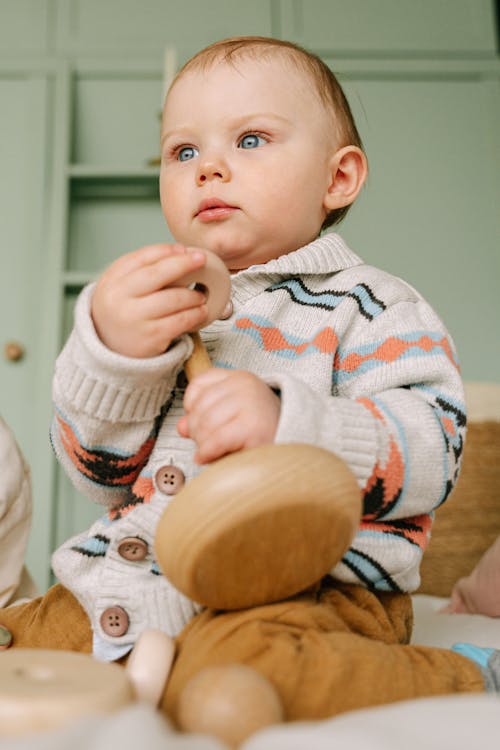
[(42, 689), (259, 525)]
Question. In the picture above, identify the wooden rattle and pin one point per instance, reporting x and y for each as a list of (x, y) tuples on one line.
[(47, 689), (259, 525)]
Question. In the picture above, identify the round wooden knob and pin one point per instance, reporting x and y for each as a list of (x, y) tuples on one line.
[(45, 689), (13, 351), (215, 280), (229, 702), (259, 525)]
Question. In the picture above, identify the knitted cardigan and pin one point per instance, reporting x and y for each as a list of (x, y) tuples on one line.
[(364, 368)]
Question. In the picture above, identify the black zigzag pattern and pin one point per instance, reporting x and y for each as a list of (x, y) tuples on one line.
[(368, 304)]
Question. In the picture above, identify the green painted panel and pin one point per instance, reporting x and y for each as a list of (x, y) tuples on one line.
[(125, 26), (429, 212), (24, 26), (101, 230), (23, 197), (116, 120), (22, 159), (405, 27)]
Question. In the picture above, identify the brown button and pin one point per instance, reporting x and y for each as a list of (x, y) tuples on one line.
[(169, 479), (133, 548), (228, 311), (114, 621)]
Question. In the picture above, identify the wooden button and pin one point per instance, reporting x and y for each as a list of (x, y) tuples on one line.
[(5, 638), (169, 479), (133, 548), (114, 621)]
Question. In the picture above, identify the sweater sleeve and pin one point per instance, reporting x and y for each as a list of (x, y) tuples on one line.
[(396, 415), (108, 408)]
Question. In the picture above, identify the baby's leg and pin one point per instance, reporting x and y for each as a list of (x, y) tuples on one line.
[(479, 592), (15, 520), (343, 650), (55, 620)]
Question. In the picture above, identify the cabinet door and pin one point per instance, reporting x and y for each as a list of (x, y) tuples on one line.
[(23, 270), (23, 150)]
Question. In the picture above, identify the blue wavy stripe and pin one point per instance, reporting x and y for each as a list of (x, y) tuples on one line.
[(369, 306), (371, 573), (94, 546), (290, 338)]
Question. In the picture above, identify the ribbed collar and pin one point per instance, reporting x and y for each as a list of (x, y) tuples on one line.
[(326, 255)]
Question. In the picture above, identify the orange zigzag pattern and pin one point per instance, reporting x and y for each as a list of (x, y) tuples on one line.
[(273, 340), (143, 490), (84, 459), (390, 476), (416, 529), (391, 350)]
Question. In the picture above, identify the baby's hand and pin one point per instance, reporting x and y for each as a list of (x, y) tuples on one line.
[(479, 592), (226, 411), (136, 308)]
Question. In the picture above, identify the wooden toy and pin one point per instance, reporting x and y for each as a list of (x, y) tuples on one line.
[(230, 702), (46, 689), (258, 525)]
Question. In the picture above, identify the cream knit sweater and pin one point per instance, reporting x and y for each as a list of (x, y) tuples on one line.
[(364, 367)]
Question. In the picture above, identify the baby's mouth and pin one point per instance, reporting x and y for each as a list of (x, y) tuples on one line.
[(214, 209)]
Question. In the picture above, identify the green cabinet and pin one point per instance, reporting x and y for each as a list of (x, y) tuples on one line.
[(25, 98), (81, 83)]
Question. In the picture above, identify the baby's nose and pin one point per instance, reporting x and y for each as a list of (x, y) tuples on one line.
[(213, 169)]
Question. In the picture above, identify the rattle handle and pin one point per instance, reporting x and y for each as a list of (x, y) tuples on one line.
[(199, 361)]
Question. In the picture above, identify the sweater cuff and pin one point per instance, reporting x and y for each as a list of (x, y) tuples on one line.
[(108, 385), (340, 425)]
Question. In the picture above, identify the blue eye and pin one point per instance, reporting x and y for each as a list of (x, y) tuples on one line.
[(252, 140), (186, 153)]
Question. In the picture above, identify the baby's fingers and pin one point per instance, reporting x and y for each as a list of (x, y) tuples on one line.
[(162, 331), (164, 272), (228, 437)]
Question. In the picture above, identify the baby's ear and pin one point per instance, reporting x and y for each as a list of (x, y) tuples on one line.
[(348, 170)]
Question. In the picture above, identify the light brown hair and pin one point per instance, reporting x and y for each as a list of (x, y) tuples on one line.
[(325, 83)]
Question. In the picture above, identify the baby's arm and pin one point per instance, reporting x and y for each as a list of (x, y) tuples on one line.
[(395, 414), (109, 403)]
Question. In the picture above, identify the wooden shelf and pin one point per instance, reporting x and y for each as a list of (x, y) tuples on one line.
[(105, 172)]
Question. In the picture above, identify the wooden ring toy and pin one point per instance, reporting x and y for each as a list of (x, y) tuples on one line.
[(43, 689), (214, 279)]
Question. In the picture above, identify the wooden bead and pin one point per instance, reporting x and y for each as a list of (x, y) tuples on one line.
[(149, 665), (229, 702), (259, 525), (5, 638)]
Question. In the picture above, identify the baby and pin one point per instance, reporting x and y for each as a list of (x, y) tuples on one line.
[(260, 153)]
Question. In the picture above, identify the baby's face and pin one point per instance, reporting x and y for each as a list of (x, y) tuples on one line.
[(245, 157)]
